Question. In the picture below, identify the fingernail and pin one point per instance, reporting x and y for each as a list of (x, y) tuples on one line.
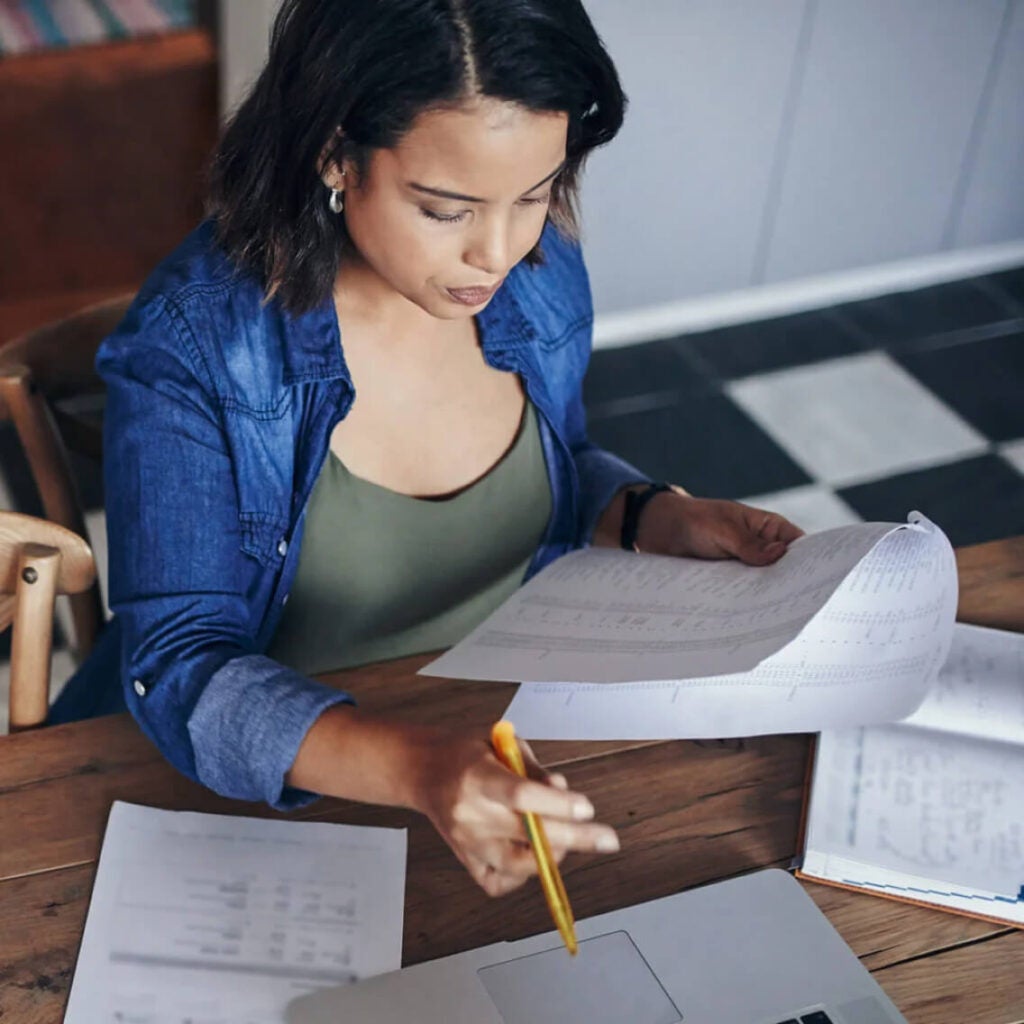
[(607, 842), (559, 782), (582, 810)]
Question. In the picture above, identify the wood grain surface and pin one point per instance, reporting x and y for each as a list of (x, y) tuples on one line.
[(687, 813), (992, 584)]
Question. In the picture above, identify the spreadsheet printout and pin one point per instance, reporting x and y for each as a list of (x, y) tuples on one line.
[(869, 655), (608, 616)]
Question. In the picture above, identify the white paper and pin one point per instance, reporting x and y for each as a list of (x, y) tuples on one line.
[(942, 811), (212, 919), (868, 656), (607, 616), (980, 688)]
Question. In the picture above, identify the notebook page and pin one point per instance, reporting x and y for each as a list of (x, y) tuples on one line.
[(872, 878), (924, 804)]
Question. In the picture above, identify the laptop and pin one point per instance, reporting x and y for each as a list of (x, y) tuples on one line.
[(751, 950)]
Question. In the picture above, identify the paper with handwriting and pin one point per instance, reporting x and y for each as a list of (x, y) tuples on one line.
[(930, 808), (927, 805)]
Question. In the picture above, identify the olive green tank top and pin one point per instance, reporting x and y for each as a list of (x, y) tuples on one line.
[(382, 574)]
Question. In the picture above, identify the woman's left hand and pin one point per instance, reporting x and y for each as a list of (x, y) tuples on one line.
[(675, 523)]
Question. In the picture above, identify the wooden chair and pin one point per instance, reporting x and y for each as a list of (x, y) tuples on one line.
[(51, 393), (38, 561)]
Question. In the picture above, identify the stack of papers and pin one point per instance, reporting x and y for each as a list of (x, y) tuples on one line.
[(850, 627)]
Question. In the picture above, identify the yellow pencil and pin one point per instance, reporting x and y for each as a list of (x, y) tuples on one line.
[(506, 748)]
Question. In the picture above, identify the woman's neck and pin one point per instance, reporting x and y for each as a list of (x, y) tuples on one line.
[(365, 301)]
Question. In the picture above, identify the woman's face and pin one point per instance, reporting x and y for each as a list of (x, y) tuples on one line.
[(446, 214)]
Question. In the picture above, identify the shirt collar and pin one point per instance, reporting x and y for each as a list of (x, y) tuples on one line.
[(313, 344), (502, 323)]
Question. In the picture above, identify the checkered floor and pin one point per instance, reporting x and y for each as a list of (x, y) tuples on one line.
[(861, 411)]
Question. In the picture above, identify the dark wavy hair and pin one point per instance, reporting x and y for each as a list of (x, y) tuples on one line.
[(369, 68)]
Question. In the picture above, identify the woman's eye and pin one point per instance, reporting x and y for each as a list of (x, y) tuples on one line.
[(454, 218), (444, 218)]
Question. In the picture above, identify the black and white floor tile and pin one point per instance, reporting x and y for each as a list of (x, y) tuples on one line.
[(862, 411)]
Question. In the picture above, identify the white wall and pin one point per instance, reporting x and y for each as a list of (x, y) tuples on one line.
[(785, 151), (994, 169), (779, 141), (674, 206), (882, 124)]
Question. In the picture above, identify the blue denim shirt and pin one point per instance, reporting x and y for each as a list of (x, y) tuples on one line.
[(219, 412)]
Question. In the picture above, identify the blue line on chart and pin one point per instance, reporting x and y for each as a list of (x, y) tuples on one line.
[(1013, 900)]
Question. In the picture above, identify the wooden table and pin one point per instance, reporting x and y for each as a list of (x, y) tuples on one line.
[(686, 812)]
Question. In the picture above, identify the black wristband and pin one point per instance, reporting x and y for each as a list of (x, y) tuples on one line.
[(635, 502)]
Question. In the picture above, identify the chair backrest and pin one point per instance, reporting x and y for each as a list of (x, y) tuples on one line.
[(38, 561), (44, 375)]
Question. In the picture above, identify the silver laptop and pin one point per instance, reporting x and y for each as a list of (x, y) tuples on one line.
[(752, 950)]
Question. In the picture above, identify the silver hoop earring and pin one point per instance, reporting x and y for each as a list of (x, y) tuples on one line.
[(337, 201)]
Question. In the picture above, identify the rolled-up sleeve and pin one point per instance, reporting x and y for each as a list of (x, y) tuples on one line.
[(189, 600), (247, 727)]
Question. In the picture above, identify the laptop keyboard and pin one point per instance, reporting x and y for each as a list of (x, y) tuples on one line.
[(817, 1017)]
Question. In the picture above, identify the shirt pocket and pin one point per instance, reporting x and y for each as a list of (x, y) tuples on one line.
[(263, 462), (264, 537)]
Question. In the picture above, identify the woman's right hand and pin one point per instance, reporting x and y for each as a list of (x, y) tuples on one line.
[(472, 799), (477, 804)]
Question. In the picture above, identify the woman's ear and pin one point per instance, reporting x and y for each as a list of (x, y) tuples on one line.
[(332, 177), (331, 163)]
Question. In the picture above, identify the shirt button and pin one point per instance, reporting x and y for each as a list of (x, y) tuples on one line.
[(139, 687), (284, 600), (282, 547)]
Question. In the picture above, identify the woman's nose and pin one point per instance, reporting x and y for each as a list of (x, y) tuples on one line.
[(488, 248)]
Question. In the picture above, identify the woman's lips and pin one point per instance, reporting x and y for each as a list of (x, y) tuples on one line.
[(471, 296)]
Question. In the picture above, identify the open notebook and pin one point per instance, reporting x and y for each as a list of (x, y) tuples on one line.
[(931, 809)]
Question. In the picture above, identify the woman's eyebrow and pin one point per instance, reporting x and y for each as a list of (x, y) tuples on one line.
[(444, 194)]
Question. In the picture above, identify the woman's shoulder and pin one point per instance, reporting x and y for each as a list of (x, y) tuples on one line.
[(198, 276), (200, 310)]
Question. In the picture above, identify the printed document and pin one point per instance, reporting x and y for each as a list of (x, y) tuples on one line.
[(204, 917), (850, 626)]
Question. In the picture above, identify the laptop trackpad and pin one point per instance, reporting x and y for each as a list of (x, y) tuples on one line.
[(607, 982)]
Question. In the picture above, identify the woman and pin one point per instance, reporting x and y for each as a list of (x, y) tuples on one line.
[(358, 385)]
